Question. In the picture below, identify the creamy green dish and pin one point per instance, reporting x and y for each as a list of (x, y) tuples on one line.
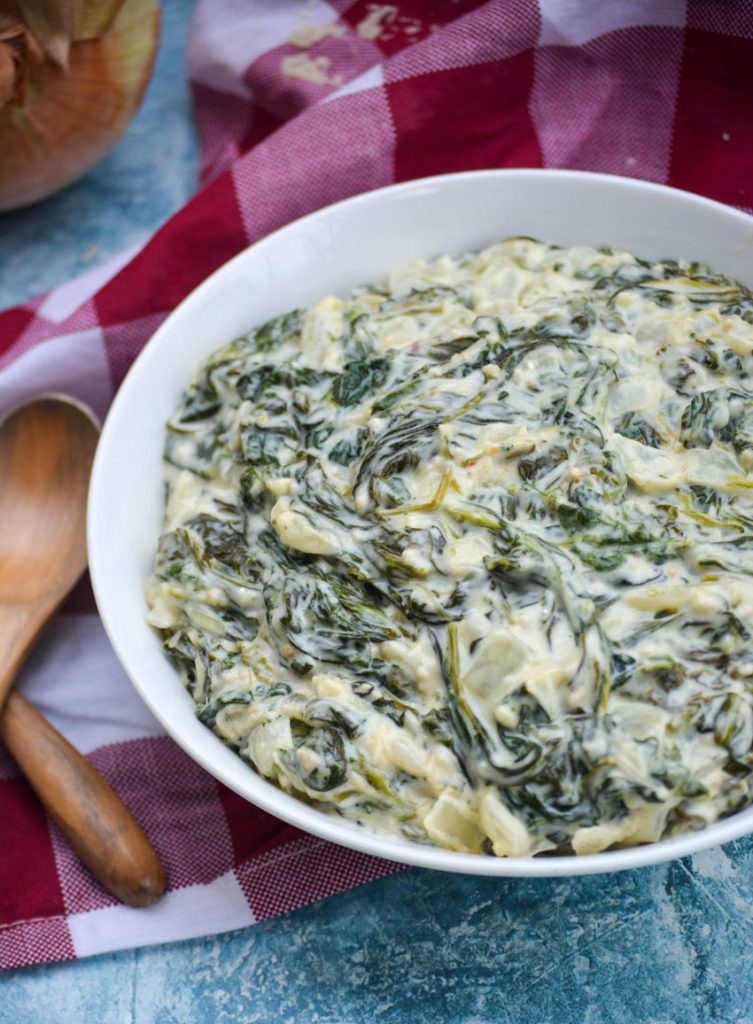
[(467, 557)]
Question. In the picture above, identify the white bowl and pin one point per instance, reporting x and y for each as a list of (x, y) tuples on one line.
[(330, 251)]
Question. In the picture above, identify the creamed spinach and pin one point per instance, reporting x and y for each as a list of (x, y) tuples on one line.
[(468, 557)]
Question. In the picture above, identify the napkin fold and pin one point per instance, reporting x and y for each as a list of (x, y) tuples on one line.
[(299, 105)]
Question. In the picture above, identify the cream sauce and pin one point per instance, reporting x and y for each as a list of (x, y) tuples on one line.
[(466, 557)]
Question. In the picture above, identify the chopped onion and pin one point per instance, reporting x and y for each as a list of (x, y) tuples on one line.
[(72, 76)]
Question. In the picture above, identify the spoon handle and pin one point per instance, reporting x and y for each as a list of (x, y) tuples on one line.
[(19, 626), (94, 820)]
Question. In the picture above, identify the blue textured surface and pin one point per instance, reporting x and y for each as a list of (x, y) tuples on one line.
[(666, 945)]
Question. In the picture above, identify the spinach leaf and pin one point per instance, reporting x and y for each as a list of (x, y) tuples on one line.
[(278, 330), (346, 450), (360, 378), (637, 428), (534, 468), (219, 541), (320, 758)]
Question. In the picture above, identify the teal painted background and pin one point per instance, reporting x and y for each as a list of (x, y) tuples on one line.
[(665, 945)]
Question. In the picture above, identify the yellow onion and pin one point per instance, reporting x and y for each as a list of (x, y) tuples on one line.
[(72, 76)]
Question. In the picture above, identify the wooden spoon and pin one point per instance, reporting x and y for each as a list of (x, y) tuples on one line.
[(46, 452)]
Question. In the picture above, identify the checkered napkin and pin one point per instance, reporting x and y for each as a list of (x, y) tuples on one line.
[(301, 104)]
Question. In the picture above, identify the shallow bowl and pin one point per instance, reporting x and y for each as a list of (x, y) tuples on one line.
[(330, 251)]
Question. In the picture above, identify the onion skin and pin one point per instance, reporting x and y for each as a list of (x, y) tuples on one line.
[(71, 116)]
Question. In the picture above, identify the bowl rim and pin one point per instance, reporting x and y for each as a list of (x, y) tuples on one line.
[(266, 795)]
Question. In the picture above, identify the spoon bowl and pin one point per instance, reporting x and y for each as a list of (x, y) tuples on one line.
[(46, 452)]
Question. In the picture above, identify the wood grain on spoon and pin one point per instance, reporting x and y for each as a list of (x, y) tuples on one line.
[(90, 814), (46, 452)]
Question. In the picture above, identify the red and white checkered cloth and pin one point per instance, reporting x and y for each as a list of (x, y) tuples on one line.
[(657, 89)]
